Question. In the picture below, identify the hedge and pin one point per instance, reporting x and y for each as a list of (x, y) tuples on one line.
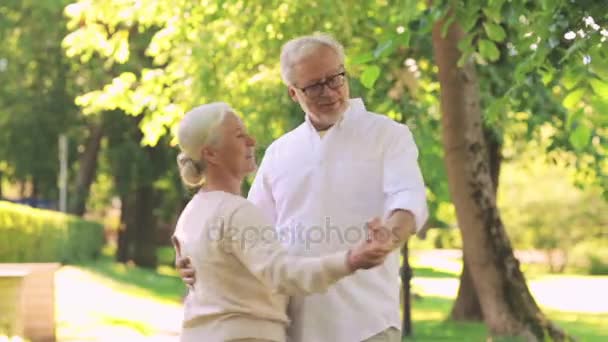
[(36, 235)]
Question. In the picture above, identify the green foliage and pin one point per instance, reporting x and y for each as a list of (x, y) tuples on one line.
[(550, 61), (370, 75), (590, 256), (166, 256), (229, 51), (488, 50), (35, 235), (543, 210), (36, 97)]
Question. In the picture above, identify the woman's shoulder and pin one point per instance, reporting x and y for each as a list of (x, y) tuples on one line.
[(242, 212)]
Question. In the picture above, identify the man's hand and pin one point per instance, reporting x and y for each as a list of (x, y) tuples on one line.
[(186, 272), (183, 264), (374, 249)]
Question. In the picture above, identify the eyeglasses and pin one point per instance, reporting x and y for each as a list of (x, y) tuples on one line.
[(333, 82)]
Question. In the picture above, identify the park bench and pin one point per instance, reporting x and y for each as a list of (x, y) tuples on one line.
[(27, 300)]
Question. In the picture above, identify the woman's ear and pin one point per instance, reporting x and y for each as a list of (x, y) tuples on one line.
[(208, 154)]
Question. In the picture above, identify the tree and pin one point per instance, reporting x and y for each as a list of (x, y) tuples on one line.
[(507, 304), (36, 103), (137, 171)]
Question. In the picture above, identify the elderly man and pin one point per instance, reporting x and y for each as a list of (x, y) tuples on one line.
[(320, 183)]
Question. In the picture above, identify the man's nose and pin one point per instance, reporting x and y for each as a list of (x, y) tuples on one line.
[(327, 91)]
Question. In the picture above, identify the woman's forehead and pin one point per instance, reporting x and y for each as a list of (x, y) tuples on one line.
[(233, 120)]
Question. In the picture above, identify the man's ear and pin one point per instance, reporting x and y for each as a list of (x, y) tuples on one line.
[(292, 93)]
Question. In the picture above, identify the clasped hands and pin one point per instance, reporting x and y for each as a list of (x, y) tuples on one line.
[(372, 251)]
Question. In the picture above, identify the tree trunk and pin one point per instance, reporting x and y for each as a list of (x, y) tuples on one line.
[(123, 250), (144, 238), (467, 307), (34, 193), (21, 188), (507, 305), (87, 171)]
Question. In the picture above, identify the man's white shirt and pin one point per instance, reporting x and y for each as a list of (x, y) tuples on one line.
[(319, 192)]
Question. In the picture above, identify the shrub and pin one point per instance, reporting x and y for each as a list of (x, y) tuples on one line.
[(35, 235), (591, 257)]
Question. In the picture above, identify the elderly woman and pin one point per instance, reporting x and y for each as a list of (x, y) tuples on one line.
[(243, 273)]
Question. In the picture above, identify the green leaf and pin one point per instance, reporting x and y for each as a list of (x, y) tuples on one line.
[(468, 19), (600, 88), (496, 109), (600, 106), (370, 75), (384, 49), (573, 48), (573, 117), (547, 76), (546, 3), (494, 31), (599, 65), (580, 137), (573, 99), (466, 48), (572, 78), (363, 58), (465, 44), (488, 50), (493, 11), (404, 38)]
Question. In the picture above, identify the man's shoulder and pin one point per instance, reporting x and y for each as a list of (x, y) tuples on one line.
[(371, 121), (287, 139)]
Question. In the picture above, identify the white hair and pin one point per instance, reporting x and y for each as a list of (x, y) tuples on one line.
[(198, 128), (299, 48)]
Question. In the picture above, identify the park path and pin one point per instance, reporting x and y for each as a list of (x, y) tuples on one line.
[(90, 310), (568, 293)]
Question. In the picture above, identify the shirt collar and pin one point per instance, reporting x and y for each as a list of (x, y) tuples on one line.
[(354, 106)]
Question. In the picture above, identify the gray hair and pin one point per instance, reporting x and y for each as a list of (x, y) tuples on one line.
[(299, 48), (198, 128)]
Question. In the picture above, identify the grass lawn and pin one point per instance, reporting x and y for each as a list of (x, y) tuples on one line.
[(576, 303)]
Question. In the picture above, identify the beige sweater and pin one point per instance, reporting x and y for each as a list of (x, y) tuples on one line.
[(243, 274)]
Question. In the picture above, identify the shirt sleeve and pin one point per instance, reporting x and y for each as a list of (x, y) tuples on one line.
[(402, 182), (254, 242), (260, 193)]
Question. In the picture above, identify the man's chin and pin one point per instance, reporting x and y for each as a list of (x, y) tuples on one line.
[(333, 114)]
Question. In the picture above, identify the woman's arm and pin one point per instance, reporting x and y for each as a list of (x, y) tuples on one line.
[(254, 242)]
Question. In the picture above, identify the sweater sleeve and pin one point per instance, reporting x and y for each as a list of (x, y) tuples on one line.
[(254, 241)]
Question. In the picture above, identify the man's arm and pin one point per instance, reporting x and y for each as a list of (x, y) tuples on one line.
[(401, 225), (405, 193)]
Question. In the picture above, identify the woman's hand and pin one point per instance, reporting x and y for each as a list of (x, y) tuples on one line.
[(374, 249)]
